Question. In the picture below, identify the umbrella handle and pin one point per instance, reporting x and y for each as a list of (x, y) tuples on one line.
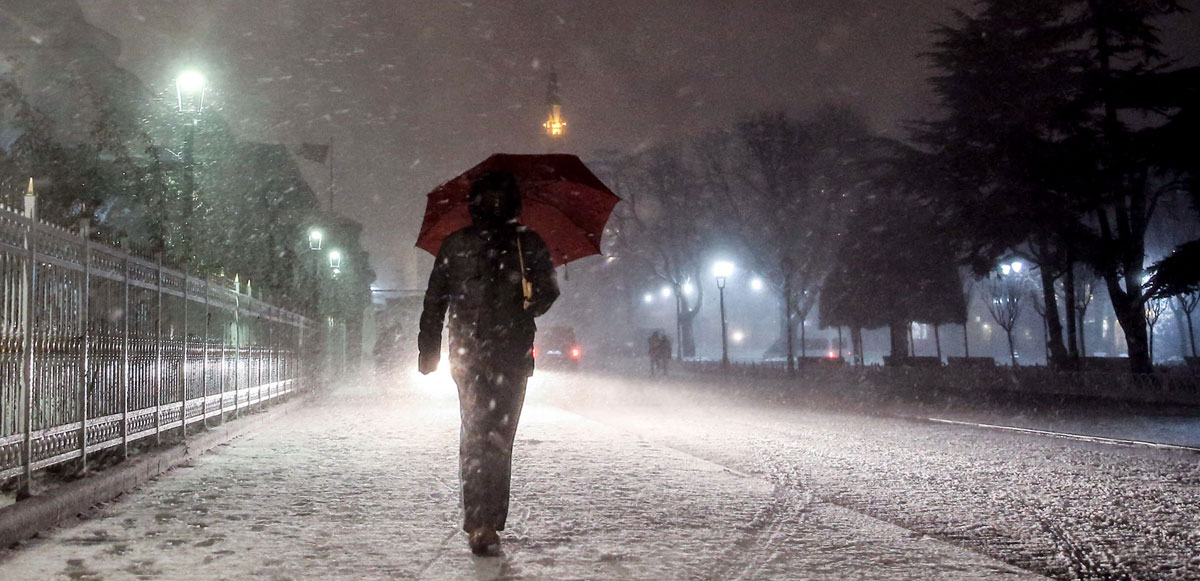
[(526, 286)]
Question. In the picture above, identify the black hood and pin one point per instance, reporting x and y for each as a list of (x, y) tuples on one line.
[(495, 200)]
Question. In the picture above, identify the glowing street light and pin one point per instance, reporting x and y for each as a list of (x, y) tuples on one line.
[(723, 269), (315, 237), (190, 87), (335, 260), (665, 292), (756, 284), (649, 298), (688, 288)]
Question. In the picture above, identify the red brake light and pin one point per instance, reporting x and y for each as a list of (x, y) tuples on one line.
[(576, 353), (535, 351)]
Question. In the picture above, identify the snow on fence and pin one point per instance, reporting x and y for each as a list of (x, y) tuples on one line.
[(1179, 386), (100, 348)]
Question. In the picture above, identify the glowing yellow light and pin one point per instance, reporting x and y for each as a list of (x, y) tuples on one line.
[(555, 125)]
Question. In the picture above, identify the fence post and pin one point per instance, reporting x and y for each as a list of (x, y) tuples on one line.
[(204, 358), (184, 377), (258, 359), (158, 340), (29, 280), (85, 231), (124, 383), (273, 354), (296, 365), (237, 353), (224, 371)]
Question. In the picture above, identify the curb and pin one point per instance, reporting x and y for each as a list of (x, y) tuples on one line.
[(28, 517)]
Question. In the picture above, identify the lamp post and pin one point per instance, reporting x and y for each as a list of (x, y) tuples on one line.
[(724, 334), (190, 87), (315, 237), (722, 270)]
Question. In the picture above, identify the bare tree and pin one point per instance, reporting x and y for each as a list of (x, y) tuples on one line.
[(1084, 293), (1041, 308), (1154, 311), (968, 289), (1187, 303), (787, 187), (666, 220), (1007, 294)]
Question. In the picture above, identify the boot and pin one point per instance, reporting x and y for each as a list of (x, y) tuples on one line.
[(482, 538)]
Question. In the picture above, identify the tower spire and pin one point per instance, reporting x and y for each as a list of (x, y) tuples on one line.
[(555, 125)]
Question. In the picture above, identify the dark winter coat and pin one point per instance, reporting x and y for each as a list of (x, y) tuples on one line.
[(477, 278)]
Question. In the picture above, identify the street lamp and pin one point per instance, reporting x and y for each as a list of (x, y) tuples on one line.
[(190, 87), (722, 271), (315, 237), (335, 259), (724, 342)]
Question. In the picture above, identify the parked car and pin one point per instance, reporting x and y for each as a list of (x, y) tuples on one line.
[(557, 347)]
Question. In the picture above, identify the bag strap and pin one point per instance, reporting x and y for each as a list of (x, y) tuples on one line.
[(526, 288)]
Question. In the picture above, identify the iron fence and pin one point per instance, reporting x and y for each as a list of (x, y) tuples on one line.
[(100, 347)]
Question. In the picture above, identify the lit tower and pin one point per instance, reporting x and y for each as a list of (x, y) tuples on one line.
[(555, 125)]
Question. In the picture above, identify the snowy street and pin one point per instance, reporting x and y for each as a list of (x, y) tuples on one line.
[(616, 479)]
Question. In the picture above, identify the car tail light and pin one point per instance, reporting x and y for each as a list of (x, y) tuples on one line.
[(832, 355), (535, 351), (576, 353)]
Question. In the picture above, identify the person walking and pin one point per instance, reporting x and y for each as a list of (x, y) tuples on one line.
[(494, 277), (663, 352), (652, 351)]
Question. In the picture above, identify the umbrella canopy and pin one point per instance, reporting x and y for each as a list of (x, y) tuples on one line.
[(561, 200)]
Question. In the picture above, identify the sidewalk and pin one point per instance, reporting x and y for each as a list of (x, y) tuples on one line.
[(363, 485)]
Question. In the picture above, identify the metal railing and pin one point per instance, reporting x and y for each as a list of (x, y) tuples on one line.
[(100, 348)]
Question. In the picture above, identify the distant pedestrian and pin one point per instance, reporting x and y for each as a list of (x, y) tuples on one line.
[(494, 277), (652, 352), (660, 352)]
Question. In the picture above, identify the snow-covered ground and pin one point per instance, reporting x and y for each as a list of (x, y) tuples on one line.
[(615, 479)]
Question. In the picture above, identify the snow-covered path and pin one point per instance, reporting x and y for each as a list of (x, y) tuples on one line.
[(613, 481)]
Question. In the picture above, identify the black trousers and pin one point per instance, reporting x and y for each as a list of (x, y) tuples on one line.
[(489, 400)]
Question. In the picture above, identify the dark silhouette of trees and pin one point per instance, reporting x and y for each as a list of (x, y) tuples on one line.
[(1038, 132), (892, 268)]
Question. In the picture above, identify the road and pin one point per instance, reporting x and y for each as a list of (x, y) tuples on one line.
[(623, 479)]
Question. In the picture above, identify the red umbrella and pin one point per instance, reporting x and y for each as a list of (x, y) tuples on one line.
[(561, 200)]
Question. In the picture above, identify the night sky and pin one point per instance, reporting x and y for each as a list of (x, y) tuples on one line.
[(414, 92)]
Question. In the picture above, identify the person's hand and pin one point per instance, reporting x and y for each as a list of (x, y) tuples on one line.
[(427, 362)]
